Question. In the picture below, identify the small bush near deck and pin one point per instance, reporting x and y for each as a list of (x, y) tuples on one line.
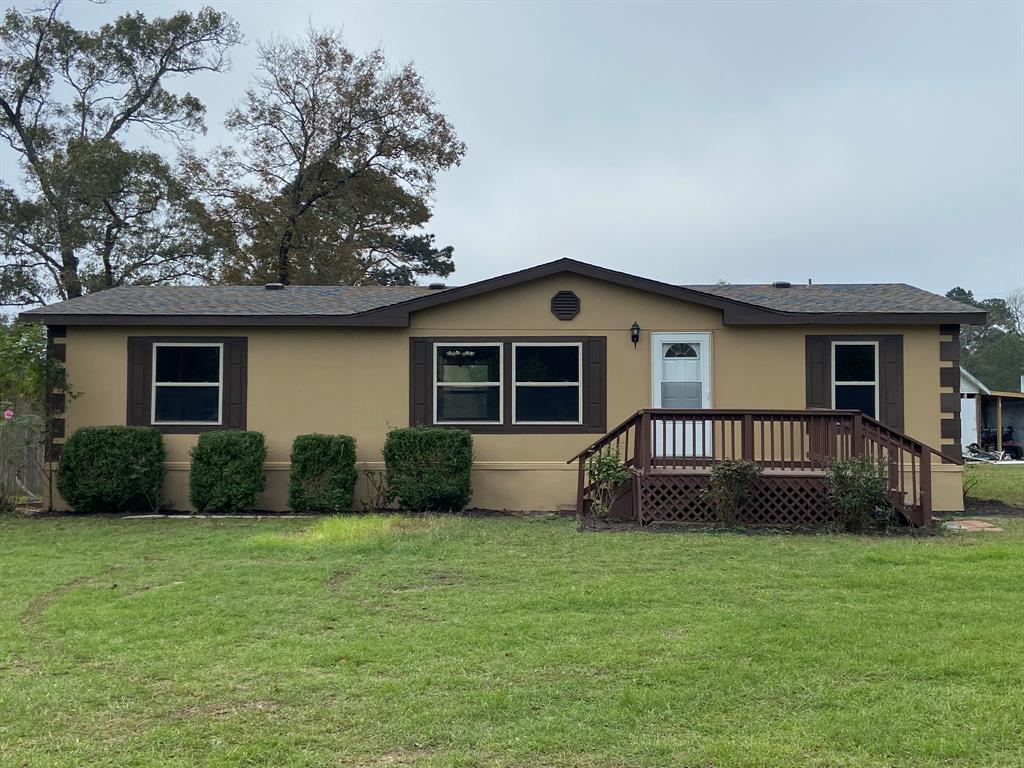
[(606, 473), (858, 488), (428, 468), (323, 476), (112, 469), (227, 471), (731, 484)]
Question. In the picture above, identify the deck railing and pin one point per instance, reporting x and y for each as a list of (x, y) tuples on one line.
[(654, 441)]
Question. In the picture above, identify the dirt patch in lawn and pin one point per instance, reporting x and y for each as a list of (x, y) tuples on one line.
[(990, 508), (41, 602)]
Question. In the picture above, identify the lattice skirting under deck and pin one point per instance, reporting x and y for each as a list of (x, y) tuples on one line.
[(775, 500)]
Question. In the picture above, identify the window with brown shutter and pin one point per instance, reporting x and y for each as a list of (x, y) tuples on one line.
[(877, 379), (550, 384), (187, 384)]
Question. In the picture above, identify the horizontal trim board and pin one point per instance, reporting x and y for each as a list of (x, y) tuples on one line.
[(401, 319), (478, 466)]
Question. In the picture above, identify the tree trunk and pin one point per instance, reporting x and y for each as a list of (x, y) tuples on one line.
[(283, 263), (69, 273)]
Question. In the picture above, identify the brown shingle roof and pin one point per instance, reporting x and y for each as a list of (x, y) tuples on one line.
[(841, 297), (243, 300)]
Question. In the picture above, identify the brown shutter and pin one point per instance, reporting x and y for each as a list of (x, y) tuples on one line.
[(420, 381), (890, 398), (140, 360), (236, 382), (595, 382), (819, 372)]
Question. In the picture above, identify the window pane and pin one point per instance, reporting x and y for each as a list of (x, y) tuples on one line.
[(547, 363), (475, 364), (186, 403), (468, 403), (188, 364), (548, 404), (679, 349), (855, 362), (856, 398)]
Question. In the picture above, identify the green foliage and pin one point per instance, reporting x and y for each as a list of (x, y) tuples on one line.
[(606, 473), (93, 212), (27, 375), (428, 468), (730, 487), (323, 475), (227, 471), (112, 469), (858, 488), (994, 352)]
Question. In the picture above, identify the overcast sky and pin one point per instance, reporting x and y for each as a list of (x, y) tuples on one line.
[(749, 142)]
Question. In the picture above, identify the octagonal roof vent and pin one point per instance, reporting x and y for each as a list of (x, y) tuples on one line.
[(565, 305)]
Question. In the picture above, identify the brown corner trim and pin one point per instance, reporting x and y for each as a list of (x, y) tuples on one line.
[(949, 402), (951, 428), (950, 377)]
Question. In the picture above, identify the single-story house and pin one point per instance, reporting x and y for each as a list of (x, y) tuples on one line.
[(538, 364), (992, 419)]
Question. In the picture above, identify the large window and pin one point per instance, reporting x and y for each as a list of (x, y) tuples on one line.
[(511, 384), (187, 383), (467, 383), (548, 383), (855, 376)]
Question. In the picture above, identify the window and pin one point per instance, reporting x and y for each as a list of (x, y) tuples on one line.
[(187, 383), (510, 385), (467, 383), (548, 387), (855, 376)]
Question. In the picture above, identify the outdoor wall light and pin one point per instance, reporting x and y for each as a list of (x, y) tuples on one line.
[(634, 333)]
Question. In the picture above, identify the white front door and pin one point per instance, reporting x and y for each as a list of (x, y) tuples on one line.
[(681, 378)]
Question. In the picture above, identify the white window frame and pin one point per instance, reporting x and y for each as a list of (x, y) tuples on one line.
[(219, 384), (500, 383), (874, 383), (578, 383)]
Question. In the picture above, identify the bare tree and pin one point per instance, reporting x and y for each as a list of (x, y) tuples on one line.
[(334, 161)]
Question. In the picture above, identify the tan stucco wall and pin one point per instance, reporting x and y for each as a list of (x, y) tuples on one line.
[(356, 381)]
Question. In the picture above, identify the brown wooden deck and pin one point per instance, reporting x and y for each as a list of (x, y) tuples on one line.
[(670, 455)]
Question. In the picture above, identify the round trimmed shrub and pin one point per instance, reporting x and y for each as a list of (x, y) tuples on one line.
[(112, 469), (227, 471), (323, 475), (428, 468)]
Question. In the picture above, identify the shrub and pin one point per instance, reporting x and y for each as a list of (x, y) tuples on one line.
[(606, 473), (112, 469), (323, 476), (227, 471), (730, 487), (427, 468), (858, 488)]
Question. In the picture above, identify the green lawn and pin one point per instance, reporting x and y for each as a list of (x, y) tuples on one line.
[(1002, 483), (384, 641)]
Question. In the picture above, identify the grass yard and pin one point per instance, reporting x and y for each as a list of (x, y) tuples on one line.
[(388, 641), (999, 483)]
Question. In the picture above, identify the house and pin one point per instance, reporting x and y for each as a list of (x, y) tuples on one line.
[(540, 365), (992, 419)]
